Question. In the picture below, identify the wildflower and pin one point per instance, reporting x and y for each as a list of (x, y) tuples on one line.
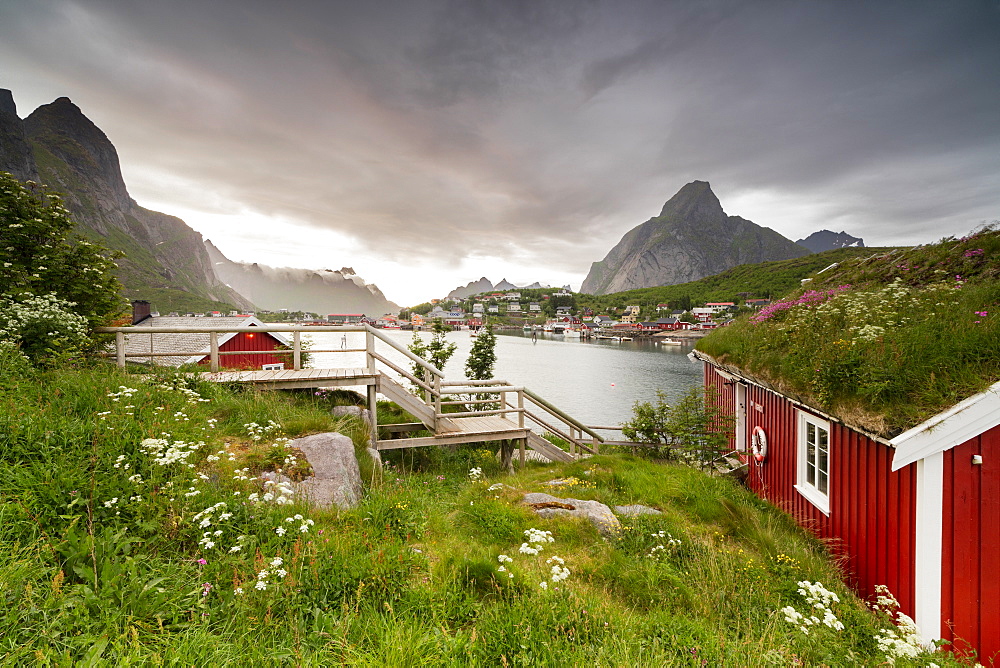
[(475, 473), (543, 584), (235, 548), (261, 585), (202, 562), (281, 572), (280, 531), (238, 591), (277, 561)]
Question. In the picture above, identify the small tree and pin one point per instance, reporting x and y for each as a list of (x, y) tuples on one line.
[(482, 356), (40, 255), (694, 428), (438, 351)]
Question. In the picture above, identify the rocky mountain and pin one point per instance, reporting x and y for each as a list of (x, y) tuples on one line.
[(691, 238), (15, 151), (485, 285), (318, 291), (825, 240), (474, 288), (165, 261)]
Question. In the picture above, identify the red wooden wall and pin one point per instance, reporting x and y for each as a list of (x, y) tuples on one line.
[(970, 582), (250, 341), (872, 509)]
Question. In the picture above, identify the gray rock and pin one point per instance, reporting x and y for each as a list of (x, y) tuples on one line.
[(376, 457), (595, 512), (357, 411), (635, 510), (336, 479)]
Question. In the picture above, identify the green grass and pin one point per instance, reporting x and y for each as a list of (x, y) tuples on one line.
[(409, 577), (902, 339)]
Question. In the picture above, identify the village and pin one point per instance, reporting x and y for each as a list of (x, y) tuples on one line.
[(509, 311)]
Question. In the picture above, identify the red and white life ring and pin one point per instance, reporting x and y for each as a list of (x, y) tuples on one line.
[(758, 445)]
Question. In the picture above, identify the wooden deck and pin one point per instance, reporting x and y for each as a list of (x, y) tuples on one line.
[(286, 379)]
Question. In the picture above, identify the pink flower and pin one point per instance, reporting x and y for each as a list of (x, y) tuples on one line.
[(202, 562)]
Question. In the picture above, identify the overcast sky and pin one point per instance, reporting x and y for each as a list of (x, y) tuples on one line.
[(427, 144)]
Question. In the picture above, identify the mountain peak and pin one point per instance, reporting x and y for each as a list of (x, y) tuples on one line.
[(7, 105), (693, 201), (690, 239)]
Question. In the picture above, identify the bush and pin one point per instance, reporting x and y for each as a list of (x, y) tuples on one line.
[(44, 328)]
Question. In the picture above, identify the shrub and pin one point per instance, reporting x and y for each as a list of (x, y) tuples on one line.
[(45, 327)]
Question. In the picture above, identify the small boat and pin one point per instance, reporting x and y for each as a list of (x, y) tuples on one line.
[(526, 328), (572, 334), (671, 342)]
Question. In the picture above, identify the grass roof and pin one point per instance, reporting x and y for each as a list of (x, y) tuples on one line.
[(881, 342)]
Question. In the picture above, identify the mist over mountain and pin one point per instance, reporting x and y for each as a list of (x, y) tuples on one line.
[(691, 238), (825, 240), (318, 291)]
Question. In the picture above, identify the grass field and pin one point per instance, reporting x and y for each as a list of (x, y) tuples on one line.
[(134, 531)]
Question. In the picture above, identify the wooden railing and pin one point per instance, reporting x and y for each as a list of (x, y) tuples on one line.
[(497, 397)]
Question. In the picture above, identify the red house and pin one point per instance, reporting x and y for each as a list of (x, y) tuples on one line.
[(919, 513), (195, 347)]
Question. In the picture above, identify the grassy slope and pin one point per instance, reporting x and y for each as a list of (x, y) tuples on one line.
[(904, 342), (408, 578)]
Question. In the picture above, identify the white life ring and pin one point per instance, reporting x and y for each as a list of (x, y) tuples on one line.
[(758, 445)]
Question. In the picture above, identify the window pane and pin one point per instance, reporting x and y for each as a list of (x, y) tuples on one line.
[(822, 481), (810, 473)]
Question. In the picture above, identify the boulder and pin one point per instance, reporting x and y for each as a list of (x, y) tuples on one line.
[(595, 512), (336, 479)]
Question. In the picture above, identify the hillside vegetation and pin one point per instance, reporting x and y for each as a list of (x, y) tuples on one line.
[(135, 531), (884, 341), (760, 281)]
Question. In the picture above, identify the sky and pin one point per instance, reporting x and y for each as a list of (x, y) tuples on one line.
[(428, 143)]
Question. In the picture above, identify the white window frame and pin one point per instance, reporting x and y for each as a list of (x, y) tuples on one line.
[(274, 366), (812, 490)]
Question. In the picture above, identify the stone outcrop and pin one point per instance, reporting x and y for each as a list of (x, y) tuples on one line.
[(691, 238), (595, 512), (336, 478)]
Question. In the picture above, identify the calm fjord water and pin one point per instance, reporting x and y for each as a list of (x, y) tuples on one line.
[(596, 382)]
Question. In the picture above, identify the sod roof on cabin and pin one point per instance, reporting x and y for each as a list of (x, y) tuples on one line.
[(881, 342)]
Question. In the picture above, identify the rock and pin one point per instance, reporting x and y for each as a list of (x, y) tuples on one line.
[(336, 478), (595, 512), (376, 456), (635, 510), (357, 411)]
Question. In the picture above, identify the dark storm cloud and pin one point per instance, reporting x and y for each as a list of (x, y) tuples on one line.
[(549, 127)]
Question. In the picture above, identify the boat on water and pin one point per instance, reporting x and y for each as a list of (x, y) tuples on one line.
[(670, 342), (572, 334), (526, 328)]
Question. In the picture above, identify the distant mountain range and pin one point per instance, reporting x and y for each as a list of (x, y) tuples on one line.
[(485, 285), (166, 262), (691, 238), (825, 240)]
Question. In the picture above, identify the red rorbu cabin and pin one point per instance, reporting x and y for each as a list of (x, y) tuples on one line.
[(195, 347), (919, 513)]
